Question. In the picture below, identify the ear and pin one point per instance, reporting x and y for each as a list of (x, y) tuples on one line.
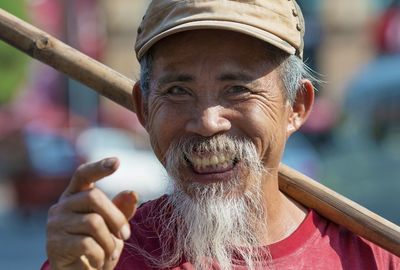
[(139, 101), (301, 108)]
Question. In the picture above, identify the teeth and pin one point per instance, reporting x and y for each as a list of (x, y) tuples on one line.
[(205, 162), (196, 160), (215, 161)]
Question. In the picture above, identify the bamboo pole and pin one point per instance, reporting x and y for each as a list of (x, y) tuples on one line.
[(116, 87)]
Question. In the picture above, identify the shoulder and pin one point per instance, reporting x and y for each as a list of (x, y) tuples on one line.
[(354, 249)]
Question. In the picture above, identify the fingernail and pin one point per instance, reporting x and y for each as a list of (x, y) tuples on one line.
[(115, 255), (125, 232), (109, 163)]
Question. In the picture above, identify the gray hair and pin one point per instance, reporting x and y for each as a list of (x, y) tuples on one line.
[(292, 71), (291, 68)]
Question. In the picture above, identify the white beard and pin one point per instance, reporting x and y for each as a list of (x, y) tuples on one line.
[(208, 224), (216, 226)]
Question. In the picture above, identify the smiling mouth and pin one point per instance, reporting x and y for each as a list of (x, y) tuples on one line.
[(211, 164)]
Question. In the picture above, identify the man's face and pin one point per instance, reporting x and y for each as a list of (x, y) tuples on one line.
[(206, 83)]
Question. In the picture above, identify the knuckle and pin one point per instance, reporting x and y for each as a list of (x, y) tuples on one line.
[(120, 222), (94, 221), (89, 247), (86, 244), (51, 226), (53, 210), (53, 218), (95, 196)]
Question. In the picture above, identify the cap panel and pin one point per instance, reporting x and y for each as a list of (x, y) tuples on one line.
[(271, 21), (221, 25)]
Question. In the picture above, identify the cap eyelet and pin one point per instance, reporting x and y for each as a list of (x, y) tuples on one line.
[(298, 27), (295, 13)]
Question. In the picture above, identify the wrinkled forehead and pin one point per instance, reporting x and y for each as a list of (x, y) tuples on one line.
[(190, 41), (218, 50)]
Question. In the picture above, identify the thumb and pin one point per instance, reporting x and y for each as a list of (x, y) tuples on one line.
[(111, 264), (126, 202)]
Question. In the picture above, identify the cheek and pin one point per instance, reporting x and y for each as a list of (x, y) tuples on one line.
[(160, 129), (266, 125), (164, 125)]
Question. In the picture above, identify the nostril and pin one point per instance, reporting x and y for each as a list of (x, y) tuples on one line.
[(224, 124)]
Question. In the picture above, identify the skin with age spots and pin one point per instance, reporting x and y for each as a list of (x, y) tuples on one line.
[(210, 82)]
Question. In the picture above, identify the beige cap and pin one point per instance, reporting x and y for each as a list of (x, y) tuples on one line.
[(278, 22)]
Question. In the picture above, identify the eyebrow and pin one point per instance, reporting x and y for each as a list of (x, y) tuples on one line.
[(169, 78), (183, 77), (235, 76)]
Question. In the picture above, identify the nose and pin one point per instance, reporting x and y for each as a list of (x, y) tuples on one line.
[(210, 121)]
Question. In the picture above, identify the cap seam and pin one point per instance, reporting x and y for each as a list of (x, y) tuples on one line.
[(231, 1), (271, 31), (272, 37), (300, 21), (279, 39)]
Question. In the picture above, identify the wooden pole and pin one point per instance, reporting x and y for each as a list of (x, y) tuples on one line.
[(116, 87), (340, 209), (49, 50)]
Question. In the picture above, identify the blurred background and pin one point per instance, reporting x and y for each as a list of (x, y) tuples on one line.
[(49, 124)]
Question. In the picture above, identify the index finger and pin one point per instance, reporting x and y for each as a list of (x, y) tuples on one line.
[(85, 176)]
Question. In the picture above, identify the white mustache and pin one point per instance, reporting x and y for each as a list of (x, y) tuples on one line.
[(217, 150)]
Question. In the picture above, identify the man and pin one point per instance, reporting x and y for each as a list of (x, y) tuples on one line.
[(222, 88)]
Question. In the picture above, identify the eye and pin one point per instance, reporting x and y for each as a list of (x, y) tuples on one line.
[(177, 91), (238, 89)]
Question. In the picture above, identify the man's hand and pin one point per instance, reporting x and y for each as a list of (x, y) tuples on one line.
[(85, 229)]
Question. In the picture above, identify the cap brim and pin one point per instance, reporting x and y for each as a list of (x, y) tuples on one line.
[(222, 25)]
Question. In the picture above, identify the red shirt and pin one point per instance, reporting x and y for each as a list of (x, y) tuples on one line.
[(317, 244)]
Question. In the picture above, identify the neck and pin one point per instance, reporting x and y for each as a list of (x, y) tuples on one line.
[(284, 215)]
